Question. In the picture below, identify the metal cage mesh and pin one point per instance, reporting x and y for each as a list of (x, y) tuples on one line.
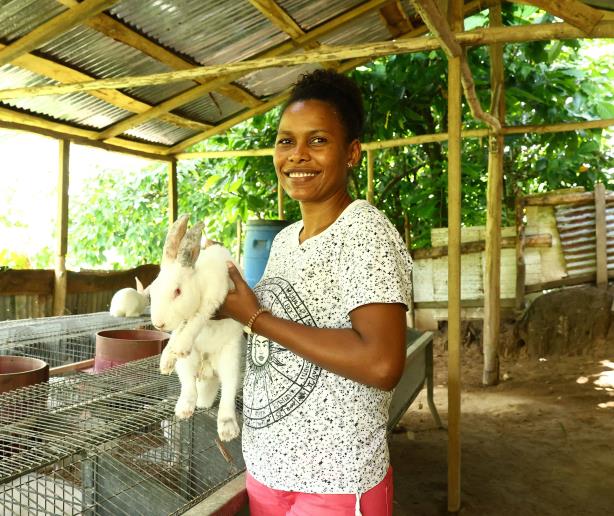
[(62, 340), (108, 444)]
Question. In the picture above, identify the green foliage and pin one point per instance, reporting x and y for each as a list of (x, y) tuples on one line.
[(124, 218)]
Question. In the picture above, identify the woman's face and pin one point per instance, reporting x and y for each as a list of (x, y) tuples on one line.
[(312, 153)]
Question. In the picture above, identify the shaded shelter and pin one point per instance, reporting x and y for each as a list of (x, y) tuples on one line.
[(153, 79)]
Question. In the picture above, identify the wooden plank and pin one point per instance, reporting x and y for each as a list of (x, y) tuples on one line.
[(278, 17), (96, 281), (576, 13), (22, 282), (569, 281), (53, 28), (59, 289), (541, 240), (70, 368), (601, 234), (173, 201), (455, 17), (494, 193)]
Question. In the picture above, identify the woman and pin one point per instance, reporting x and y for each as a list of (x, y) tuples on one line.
[(326, 323)]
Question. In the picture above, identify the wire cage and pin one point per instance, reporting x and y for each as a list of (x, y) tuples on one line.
[(109, 444), (62, 340)]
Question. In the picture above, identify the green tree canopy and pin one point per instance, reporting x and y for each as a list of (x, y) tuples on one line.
[(123, 219)]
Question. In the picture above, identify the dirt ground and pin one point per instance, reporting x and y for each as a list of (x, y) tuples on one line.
[(540, 443)]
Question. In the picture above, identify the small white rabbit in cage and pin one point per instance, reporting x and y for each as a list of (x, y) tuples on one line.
[(205, 352), (129, 302)]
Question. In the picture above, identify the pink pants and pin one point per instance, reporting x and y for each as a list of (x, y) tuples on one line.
[(265, 501)]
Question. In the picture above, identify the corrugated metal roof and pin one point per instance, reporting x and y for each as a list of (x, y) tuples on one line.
[(209, 31), (366, 29), (207, 109), (79, 108), (273, 80), (160, 131), (18, 17), (309, 14)]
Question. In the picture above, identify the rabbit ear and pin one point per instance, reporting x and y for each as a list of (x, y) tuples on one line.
[(173, 239), (190, 246), (139, 286)]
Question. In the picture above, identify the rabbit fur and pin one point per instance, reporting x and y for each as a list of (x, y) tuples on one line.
[(129, 302), (205, 353)]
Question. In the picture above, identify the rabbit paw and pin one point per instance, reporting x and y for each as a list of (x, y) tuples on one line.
[(167, 362), (227, 428), (184, 408), (182, 345)]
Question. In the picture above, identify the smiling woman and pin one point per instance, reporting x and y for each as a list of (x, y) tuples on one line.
[(329, 345)]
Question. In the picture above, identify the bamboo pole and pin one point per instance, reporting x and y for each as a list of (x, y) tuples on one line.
[(601, 234), (370, 176), (172, 191), (60, 283), (455, 17), (520, 245), (417, 140), (516, 34), (281, 213), (492, 287)]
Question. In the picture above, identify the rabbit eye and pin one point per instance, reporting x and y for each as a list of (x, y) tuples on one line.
[(177, 292)]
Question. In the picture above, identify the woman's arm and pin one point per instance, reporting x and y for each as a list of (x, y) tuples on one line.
[(372, 352)]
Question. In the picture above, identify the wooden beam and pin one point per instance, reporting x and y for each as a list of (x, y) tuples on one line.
[(60, 283), (574, 12), (396, 19), (67, 75), (455, 17), (225, 154), (494, 193), (278, 17), (229, 123), (537, 240), (116, 30), (437, 24), (53, 28), (601, 234), (208, 85), (23, 122)]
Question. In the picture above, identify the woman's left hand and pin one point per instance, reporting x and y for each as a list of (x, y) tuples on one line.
[(241, 302)]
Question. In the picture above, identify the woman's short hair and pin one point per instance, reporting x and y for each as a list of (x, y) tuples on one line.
[(339, 91)]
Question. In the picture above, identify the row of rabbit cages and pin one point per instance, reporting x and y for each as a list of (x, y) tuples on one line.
[(87, 426)]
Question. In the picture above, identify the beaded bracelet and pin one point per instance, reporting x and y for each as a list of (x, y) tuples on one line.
[(248, 327)]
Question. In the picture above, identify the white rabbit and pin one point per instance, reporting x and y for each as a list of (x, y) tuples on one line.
[(190, 288), (129, 302)]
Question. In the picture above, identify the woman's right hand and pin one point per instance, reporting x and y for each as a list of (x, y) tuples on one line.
[(241, 302)]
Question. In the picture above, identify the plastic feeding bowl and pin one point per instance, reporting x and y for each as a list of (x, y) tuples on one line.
[(114, 347)]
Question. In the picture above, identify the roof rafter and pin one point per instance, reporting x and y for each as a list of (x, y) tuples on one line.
[(116, 30), (53, 28), (208, 86), (476, 37), (574, 12), (439, 26), (396, 19), (67, 75)]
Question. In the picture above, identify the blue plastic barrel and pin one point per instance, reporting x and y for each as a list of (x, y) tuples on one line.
[(259, 236)]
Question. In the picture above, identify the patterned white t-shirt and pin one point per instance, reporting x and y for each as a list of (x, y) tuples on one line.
[(306, 429)]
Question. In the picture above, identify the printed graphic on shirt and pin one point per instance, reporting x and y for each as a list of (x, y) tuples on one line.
[(276, 380)]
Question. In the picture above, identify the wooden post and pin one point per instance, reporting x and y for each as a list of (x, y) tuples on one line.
[(172, 191), (60, 283), (520, 263), (602, 236), (239, 241), (411, 319), (455, 18), (370, 177), (492, 280), (281, 213)]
